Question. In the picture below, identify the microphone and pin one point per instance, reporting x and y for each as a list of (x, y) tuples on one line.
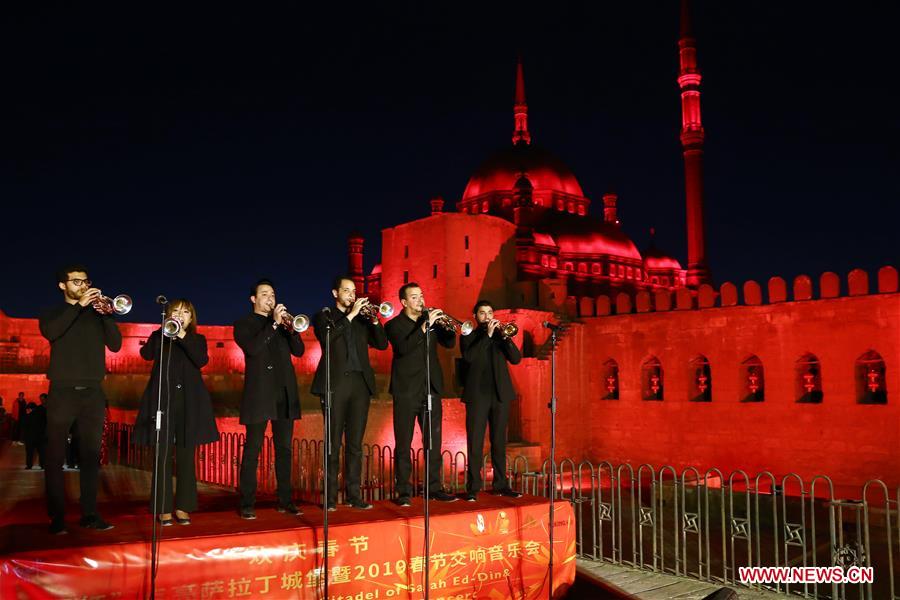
[(326, 312), (551, 326), (162, 299)]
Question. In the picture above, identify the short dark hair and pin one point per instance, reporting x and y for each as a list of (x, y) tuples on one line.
[(405, 287), (336, 282), (62, 275), (481, 303), (263, 281)]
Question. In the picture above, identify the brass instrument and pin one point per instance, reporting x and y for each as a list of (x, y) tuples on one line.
[(172, 327), (300, 323), (508, 330), (120, 305), (450, 323), (371, 312)]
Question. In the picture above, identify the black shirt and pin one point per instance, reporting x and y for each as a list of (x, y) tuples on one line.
[(78, 336)]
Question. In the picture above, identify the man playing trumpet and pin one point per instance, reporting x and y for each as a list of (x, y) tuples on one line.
[(270, 393), (487, 393), (79, 331), (406, 333), (354, 328)]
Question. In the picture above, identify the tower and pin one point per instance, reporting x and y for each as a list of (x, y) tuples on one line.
[(355, 261), (521, 135), (692, 135)]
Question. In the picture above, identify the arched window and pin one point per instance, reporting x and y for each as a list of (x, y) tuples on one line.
[(569, 266), (545, 260), (621, 269), (485, 206), (581, 210), (700, 380), (629, 273), (571, 207), (652, 379), (654, 279), (610, 381), (507, 202), (808, 377), (752, 383), (582, 267), (595, 268), (553, 263), (560, 204), (871, 384)]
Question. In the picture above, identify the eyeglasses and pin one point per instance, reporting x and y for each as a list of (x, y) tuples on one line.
[(78, 282)]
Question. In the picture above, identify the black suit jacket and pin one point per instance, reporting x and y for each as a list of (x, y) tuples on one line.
[(365, 334), (408, 366), (485, 366), (188, 356), (268, 368)]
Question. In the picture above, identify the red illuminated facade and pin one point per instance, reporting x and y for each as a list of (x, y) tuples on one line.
[(657, 365)]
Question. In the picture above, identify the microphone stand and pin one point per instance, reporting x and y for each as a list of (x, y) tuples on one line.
[(156, 526), (552, 407), (327, 435), (427, 448)]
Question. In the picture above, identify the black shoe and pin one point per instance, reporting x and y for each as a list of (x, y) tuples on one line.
[(359, 504), (402, 501), (442, 496), (248, 514), (183, 520), (289, 508), (95, 522), (332, 507), (58, 526), (509, 493), (471, 496), (166, 522)]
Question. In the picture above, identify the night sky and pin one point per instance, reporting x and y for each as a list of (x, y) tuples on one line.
[(190, 151)]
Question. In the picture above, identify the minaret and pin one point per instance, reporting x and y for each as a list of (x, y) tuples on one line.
[(692, 141), (521, 135), (355, 261)]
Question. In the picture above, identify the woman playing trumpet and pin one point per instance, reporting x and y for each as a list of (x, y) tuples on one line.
[(187, 414)]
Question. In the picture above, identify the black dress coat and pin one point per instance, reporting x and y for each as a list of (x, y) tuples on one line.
[(485, 366), (408, 365), (188, 356), (365, 334), (268, 368)]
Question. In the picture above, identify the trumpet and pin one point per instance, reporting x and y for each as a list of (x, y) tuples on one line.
[(507, 330), (450, 323), (299, 324), (372, 312), (172, 327), (120, 305)]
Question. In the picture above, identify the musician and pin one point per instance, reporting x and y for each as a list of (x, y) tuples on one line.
[(78, 335), (487, 393), (352, 382), (187, 412), (270, 394), (406, 333)]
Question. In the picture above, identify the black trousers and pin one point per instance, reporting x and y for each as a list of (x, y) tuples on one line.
[(87, 408), (185, 491), (349, 415), (282, 433), (33, 445), (406, 412), (481, 412)]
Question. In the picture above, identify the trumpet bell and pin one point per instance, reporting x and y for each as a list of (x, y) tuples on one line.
[(466, 327), (510, 330), (122, 304), (300, 323), (171, 328), (386, 310)]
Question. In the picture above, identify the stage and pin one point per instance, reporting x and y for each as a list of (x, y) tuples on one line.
[(494, 548)]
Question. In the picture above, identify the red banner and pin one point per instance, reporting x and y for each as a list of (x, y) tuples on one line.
[(496, 553)]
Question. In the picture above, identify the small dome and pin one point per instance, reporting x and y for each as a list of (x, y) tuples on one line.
[(655, 258), (502, 171), (587, 235)]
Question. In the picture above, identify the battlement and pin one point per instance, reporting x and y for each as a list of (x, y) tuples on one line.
[(830, 286)]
